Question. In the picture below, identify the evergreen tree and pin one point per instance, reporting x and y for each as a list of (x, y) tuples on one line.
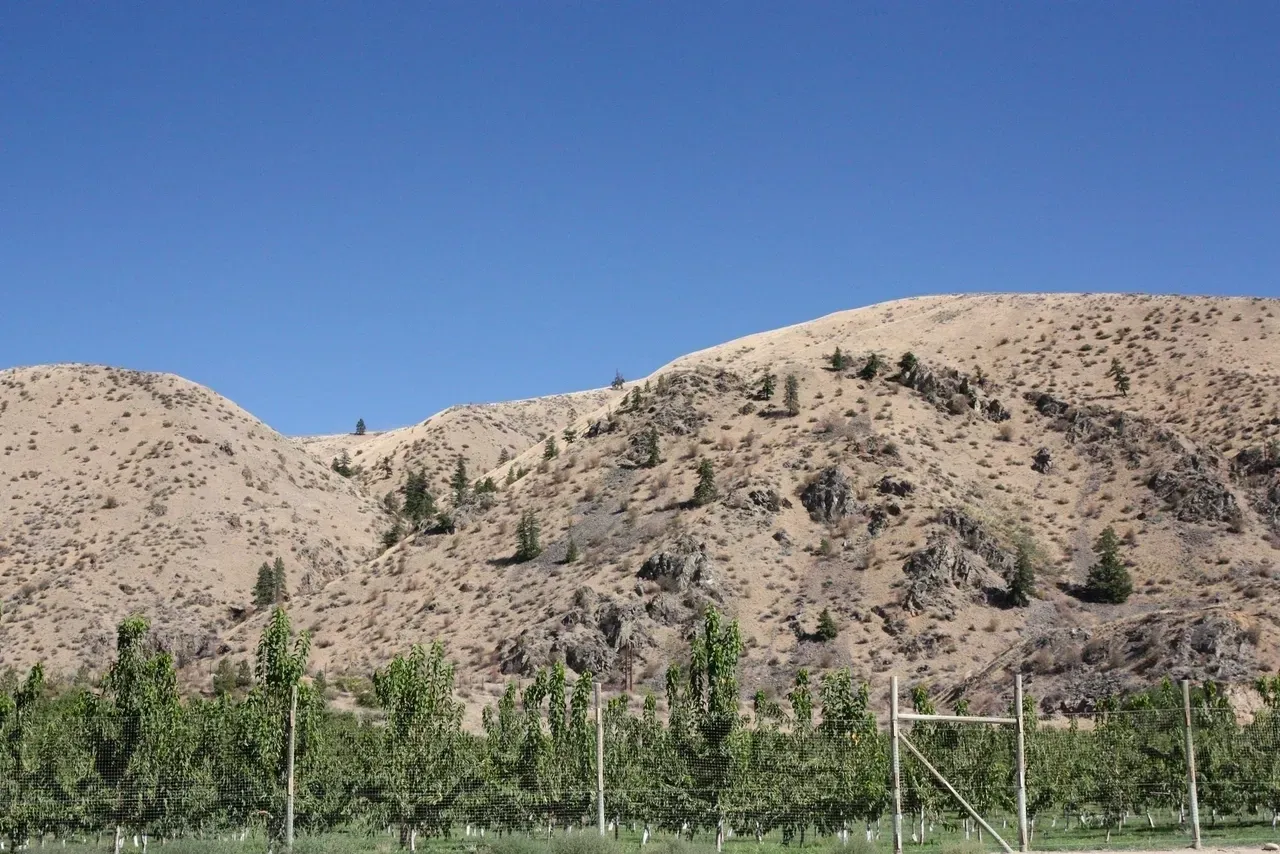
[(360, 428), (650, 447), (838, 360), (1109, 580), (511, 475), (1119, 376), (705, 492), (1022, 578), (419, 504), (460, 483), (504, 456), (393, 535), (791, 397), (767, 386), (269, 589), (572, 552), (342, 464), (485, 487), (907, 364), (871, 368), (550, 451), (569, 435), (528, 544), (618, 381), (827, 629)]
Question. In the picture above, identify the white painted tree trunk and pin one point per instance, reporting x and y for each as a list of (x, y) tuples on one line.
[(119, 841)]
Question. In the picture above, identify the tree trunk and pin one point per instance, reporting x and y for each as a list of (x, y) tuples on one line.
[(119, 841)]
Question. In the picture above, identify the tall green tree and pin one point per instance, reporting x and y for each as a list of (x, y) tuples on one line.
[(460, 483), (528, 537), (651, 447), (872, 367), (791, 395), (422, 768), (768, 384), (1108, 580), (549, 450), (360, 428), (1119, 376), (1021, 583), (419, 504), (271, 587), (705, 492), (838, 360)]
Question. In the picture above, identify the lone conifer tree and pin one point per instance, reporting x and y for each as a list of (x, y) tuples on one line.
[(871, 368), (460, 483), (618, 381), (791, 396), (550, 452), (705, 492), (1119, 376), (511, 475), (838, 360), (767, 386), (528, 544), (504, 456), (342, 464), (360, 427), (1108, 579), (572, 552), (1022, 578), (569, 435), (419, 504), (652, 453), (270, 586), (827, 629)]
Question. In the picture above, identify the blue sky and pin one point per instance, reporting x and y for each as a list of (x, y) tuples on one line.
[(342, 210)]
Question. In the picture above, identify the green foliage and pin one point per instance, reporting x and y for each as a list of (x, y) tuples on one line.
[(360, 428), (650, 447), (572, 553), (1021, 583), (907, 364), (528, 544), (1109, 580), (791, 395), (1119, 376), (618, 381), (838, 360), (342, 464), (550, 451), (768, 385), (871, 368), (511, 476), (827, 628), (392, 535), (705, 492), (270, 588), (569, 435), (460, 483), (419, 504), (504, 456)]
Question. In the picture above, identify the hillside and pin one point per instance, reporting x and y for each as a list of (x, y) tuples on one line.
[(897, 503)]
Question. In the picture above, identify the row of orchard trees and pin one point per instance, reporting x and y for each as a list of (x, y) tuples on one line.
[(132, 757)]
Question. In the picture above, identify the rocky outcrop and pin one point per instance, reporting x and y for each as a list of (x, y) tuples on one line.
[(1194, 491), (941, 577), (587, 638), (682, 565), (952, 391), (900, 487), (1099, 429), (977, 539), (1042, 461), (1257, 470), (830, 496), (756, 497)]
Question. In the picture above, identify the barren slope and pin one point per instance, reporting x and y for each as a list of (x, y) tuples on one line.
[(911, 572), (127, 492)]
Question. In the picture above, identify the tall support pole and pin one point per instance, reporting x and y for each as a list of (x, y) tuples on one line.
[(896, 762), (1024, 836), (1190, 750), (288, 804), (599, 760)]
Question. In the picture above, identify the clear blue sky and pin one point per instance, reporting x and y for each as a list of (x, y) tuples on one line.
[(333, 210)]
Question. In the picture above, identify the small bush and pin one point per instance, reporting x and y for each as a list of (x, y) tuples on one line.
[(514, 844), (585, 842)]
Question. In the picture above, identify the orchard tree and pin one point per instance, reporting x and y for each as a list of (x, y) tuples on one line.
[(422, 768)]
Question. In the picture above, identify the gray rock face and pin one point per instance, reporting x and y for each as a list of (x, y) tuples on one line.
[(900, 487), (976, 538), (940, 577), (588, 637), (757, 498), (680, 566), (1194, 491), (830, 496), (944, 386), (1042, 461)]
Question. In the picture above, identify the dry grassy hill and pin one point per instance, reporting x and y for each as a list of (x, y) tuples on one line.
[(897, 503)]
